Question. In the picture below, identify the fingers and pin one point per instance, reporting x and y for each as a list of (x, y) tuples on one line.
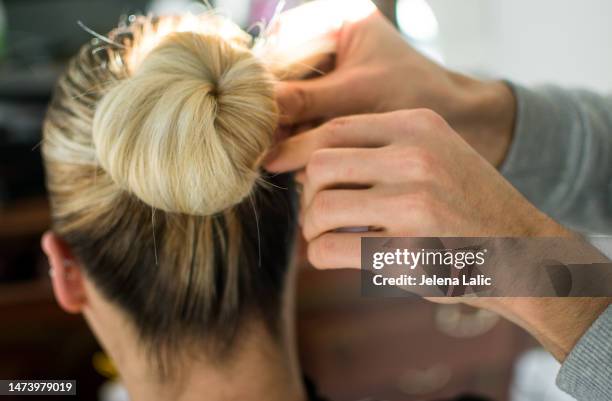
[(337, 94), (343, 250), (353, 132), (343, 208), (339, 168), (408, 213), (399, 169), (311, 99), (338, 250)]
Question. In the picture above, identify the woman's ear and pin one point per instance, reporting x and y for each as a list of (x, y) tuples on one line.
[(65, 273)]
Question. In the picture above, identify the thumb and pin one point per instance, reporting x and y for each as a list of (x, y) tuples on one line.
[(308, 100)]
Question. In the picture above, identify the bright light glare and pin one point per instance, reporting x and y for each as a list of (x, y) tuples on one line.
[(295, 37), (416, 19), (309, 28)]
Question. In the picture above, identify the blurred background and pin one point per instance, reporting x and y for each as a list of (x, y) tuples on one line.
[(352, 347)]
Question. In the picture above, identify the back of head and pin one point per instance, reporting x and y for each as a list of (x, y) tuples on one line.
[(153, 147)]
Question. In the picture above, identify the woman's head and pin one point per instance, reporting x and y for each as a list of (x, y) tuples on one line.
[(152, 146)]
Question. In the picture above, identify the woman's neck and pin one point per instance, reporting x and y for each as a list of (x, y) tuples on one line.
[(257, 370), (259, 367)]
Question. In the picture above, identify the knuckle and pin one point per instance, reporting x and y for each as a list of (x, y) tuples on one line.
[(424, 161), (339, 122), (327, 245), (319, 163), (322, 203), (417, 162), (419, 212), (419, 203), (402, 158), (321, 206), (400, 122), (333, 130), (403, 115), (320, 251), (425, 120), (303, 100), (430, 118)]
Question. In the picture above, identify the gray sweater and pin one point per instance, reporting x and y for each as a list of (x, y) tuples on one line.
[(561, 160)]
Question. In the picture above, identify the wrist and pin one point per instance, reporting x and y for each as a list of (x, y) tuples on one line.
[(557, 323), (535, 223), (484, 114)]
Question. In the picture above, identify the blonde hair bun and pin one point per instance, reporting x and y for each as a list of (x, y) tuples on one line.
[(187, 131)]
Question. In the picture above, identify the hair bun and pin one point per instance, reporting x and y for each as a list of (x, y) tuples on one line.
[(187, 131)]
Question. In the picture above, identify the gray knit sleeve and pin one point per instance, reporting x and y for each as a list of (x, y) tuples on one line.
[(586, 373), (561, 155)]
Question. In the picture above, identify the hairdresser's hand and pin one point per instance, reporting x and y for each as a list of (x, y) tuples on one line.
[(405, 173), (377, 71), (408, 173)]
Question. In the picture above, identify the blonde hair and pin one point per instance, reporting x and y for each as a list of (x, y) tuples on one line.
[(194, 143), (153, 147)]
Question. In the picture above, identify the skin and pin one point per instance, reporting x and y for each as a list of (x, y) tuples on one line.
[(414, 155), (376, 71), (261, 369)]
